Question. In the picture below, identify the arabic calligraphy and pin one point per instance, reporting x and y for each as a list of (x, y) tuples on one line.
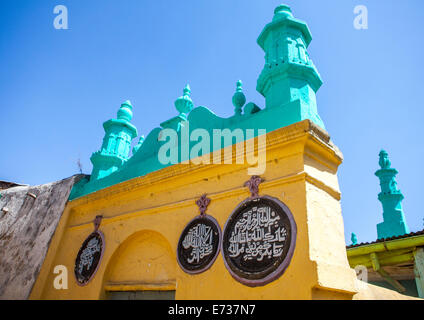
[(200, 239), (258, 240), (88, 258), (87, 255), (198, 246), (257, 235)]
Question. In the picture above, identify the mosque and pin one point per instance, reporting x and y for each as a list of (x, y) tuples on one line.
[(178, 217)]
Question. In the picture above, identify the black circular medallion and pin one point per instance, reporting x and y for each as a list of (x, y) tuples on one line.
[(88, 258), (259, 240), (199, 244)]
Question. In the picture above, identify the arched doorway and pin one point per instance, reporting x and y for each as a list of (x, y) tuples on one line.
[(142, 268)]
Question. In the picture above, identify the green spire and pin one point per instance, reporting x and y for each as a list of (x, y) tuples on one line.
[(116, 143), (239, 98), (394, 223), (125, 112), (289, 79)]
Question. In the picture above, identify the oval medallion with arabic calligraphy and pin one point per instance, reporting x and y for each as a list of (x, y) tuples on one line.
[(199, 244), (259, 240), (88, 258)]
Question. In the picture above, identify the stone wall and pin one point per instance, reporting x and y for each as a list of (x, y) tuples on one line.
[(28, 219)]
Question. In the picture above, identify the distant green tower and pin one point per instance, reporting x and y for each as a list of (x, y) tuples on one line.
[(289, 78), (115, 149), (394, 223)]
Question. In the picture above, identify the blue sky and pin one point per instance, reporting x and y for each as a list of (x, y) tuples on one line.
[(58, 86)]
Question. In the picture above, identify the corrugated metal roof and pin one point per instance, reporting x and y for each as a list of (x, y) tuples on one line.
[(408, 235)]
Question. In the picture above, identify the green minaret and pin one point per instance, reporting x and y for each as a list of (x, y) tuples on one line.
[(394, 223), (116, 143), (289, 78)]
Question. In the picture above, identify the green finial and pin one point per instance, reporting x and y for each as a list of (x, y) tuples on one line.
[(387, 175), (384, 161), (239, 98), (187, 90), (184, 104), (281, 12), (239, 85), (354, 239), (125, 112), (394, 223)]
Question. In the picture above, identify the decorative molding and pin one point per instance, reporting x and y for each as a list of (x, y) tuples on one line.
[(235, 192), (203, 203), (253, 185)]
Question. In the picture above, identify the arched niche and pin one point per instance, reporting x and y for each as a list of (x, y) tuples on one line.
[(144, 262)]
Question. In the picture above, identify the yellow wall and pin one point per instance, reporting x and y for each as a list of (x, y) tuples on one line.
[(144, 217)]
